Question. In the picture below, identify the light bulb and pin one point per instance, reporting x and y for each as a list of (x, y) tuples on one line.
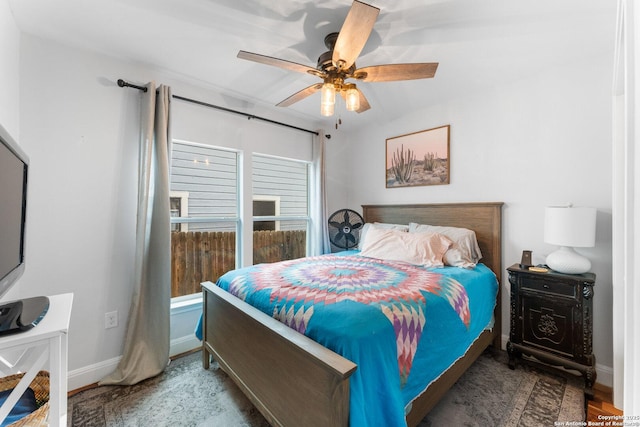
[(352, 98), (327, 109), (328, 94)]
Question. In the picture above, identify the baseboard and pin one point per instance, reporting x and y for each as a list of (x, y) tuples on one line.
[(604, 373), (184, 345), (91, 374)]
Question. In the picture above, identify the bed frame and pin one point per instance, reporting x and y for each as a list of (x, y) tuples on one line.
[(293, 380)]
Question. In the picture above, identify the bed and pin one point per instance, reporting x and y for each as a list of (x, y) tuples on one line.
[(291, 378)]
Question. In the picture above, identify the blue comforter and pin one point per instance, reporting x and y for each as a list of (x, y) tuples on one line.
[(402, 325)]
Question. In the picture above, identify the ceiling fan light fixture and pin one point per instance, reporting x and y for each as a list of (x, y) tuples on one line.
[(328, 94), (352, 98), (327, 99)]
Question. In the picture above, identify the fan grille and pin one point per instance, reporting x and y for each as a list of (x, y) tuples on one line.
[(344, 229)]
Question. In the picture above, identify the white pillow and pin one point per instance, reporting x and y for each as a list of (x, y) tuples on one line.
[(464, 252), (368, 225), (424, 249)]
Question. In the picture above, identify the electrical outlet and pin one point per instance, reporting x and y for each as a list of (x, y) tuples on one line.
[(111, 319)]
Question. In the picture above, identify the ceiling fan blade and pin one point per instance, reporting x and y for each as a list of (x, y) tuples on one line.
[(354, 33), (281, 63), (396, 72), (364, 104), (299, 96)]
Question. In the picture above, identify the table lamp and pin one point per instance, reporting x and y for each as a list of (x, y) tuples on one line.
[(569, 227)]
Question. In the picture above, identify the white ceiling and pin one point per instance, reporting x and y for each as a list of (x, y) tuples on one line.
[(478, 43)]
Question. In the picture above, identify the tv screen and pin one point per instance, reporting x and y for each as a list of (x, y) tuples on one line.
[(14, 166)]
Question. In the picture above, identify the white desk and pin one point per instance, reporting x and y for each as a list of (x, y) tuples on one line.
[(46, 341)]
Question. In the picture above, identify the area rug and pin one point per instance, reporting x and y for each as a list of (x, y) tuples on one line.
[(488, 394), (491, 394)]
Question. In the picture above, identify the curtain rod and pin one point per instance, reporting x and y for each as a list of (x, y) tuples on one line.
[(123, 83)]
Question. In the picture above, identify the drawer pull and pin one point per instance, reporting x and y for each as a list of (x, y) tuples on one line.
[(545, 286)]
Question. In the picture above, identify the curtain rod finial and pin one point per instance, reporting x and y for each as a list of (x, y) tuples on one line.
[(122, 83)]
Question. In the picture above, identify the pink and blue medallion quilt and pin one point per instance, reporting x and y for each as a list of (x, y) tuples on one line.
[(403, 325)]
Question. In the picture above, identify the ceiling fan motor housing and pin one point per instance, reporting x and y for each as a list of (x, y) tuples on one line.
[(325, 61)]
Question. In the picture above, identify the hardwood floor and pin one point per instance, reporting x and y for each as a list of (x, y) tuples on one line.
[(601, 404)]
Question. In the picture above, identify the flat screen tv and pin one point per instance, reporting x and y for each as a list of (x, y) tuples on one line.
[(21, 315)]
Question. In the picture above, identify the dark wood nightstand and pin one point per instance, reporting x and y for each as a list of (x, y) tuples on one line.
[(552, 320)]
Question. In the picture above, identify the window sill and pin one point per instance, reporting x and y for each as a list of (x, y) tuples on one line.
[(186, 304)]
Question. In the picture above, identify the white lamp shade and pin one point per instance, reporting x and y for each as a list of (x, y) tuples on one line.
[(570, 226)]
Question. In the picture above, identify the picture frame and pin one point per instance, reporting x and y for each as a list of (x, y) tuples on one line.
[(418, 159)]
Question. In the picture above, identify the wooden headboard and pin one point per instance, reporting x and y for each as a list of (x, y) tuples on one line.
[(483, 218)]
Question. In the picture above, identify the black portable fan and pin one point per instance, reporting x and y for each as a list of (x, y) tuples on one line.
[(344, 228)]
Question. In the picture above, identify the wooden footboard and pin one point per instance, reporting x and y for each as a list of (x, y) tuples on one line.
[(290, 378)]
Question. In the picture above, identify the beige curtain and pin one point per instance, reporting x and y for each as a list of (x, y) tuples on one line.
[(146, 347), (320, 234)]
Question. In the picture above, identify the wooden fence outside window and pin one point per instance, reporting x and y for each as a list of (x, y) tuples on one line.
[(202, 256)]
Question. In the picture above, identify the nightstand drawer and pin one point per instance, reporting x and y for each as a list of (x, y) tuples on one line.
[(549, 286)]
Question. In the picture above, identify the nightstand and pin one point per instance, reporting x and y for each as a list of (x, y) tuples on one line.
[(552, 320)]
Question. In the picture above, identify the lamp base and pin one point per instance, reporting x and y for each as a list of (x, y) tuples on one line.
[(566, 260)]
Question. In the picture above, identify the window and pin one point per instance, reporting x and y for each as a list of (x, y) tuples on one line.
[(179, 201), (281, 220), (204, 214), (266, 206)]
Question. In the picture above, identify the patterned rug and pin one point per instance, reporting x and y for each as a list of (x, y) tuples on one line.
[(488, 394), (491, 394)]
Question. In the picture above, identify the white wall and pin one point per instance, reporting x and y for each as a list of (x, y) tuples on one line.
[(626, 163), (9, 71), (533, 143), (77, 129)]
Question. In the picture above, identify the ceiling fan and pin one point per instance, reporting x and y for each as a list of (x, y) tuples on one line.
[(338, 64)]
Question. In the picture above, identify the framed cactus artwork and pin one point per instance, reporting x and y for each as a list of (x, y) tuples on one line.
[(419, 158)]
